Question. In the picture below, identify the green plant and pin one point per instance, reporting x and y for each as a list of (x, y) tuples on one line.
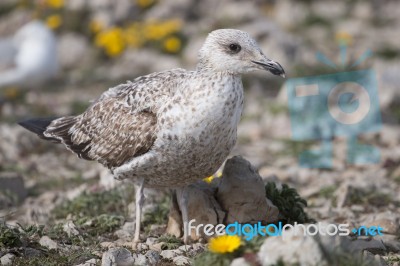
[(288, 201)]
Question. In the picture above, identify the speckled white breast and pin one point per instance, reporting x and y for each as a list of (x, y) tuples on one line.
[(197, 134)]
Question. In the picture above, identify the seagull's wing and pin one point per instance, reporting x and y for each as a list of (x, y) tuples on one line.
[(121, 124)]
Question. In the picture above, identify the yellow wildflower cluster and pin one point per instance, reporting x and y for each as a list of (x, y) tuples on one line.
[(55, 3), (224, 244), (114, 40)]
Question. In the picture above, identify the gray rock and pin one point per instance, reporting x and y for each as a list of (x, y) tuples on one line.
[(290, 249), (181, 261), (239, 262), (91, 262), (170, 253), (153, 257), (12, 190), (117, 257), (7, 259), (140, 260), (31, 253), (47, 242), (151, 241), (202, 207), (241, 193), (70, 228)]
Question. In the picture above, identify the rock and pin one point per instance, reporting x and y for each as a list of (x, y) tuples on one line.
[(239, 262), (107, 244), (196, 249), (117, 257), (185, 248), (91, 262), (346, 244), (153, 257), (12, 190), (7, 259), (70, 228), (157, 247), (202, 207), (170, 253), (141, 246), (181, 260), (47, 242), (31, 253), (140, 260), (389, 221), (241, 193), (290, 249), (151, 241), (126, 232)]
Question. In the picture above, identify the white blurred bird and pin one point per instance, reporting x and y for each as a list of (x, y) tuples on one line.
[(30, 56)]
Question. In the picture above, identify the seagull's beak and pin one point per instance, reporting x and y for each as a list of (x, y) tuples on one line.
[(272, 66)]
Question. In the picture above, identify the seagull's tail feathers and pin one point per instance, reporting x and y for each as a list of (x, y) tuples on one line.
[(42, 126)]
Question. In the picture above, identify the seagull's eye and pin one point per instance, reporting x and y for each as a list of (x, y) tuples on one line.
[(235, 48)]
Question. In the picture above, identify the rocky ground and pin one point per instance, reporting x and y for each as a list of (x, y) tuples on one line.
[(60, 210)]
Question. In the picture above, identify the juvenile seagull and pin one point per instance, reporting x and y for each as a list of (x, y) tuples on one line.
[(166, 129)]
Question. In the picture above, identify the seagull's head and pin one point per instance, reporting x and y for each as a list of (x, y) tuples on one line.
[(234, 51)]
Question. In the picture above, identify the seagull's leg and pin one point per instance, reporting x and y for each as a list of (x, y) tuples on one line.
[(183, 198), (139, 204)]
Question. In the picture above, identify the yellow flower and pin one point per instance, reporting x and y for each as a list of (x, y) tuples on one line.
[(343, 38), (144, 3), (111, 41), (224, 244), (55, 3), (54, 21), (172, 44)]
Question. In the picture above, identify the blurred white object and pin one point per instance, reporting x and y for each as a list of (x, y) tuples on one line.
[(32, 52)]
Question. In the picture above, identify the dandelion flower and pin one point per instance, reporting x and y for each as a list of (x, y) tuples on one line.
[(54, 21), (172, 44), (224, 244)]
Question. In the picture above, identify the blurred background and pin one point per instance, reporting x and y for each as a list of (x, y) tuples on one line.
[(58, 55)]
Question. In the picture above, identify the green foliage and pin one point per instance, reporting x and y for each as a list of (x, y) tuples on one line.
[(288, 201), (170, 242), (209, 258), (99, 225), (112, 202), (159, 215), (327, 191)]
